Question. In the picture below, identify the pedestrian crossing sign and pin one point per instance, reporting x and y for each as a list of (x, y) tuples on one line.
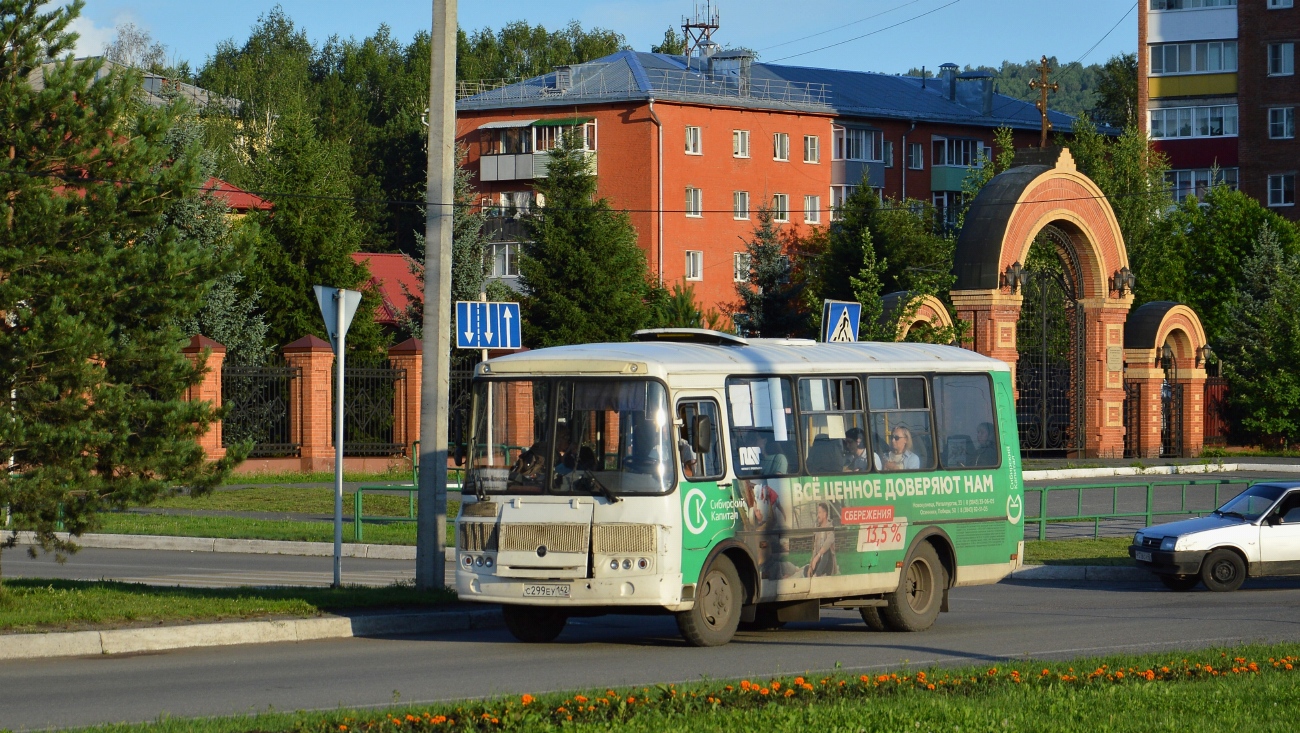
[(840, 321)]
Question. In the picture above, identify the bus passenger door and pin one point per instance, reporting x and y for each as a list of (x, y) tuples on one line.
[(710, 512)]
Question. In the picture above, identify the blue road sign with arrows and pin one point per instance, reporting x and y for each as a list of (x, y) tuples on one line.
[(482, 325), (840, 321)]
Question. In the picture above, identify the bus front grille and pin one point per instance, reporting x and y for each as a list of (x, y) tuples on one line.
[(478, 536), (564, 538), (620, 539)]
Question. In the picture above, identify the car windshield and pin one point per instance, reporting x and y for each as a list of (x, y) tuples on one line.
[(565, 436), (1253, 502)]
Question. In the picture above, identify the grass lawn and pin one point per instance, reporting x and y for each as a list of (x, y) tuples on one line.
[(292, 499), (1207, 690), (256, 529), (33, 604), (1105, 551), (298, 477)]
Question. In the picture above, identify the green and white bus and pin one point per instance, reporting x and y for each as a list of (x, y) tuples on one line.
[(737, 483)]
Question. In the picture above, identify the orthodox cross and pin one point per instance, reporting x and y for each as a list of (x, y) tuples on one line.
[(1044, 87)]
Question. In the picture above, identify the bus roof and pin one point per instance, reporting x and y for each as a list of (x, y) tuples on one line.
[(758, 356)]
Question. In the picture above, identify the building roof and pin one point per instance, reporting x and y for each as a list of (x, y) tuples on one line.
[(391, 276), (158, 90), (638, 76), (239, 200)]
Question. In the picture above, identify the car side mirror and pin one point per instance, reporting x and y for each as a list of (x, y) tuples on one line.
[(703, 434)]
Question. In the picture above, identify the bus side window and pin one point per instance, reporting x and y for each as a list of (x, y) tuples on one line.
[(963, 407), (900, 424), (763, 442), (699, 444), (830, 416)]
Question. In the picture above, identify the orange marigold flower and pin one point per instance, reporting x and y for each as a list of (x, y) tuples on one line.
[(763, 691), (526, 699), (1119, 675), (494, 721), (1288, 665), (729, 688), (343, 727), (799, 680), (579, 698), (744, 684), (631, 699), (776, 685), (789, 691), (929, 687), (883, 678)]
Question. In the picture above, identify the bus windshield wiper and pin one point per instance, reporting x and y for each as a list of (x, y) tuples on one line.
[(594, 485)]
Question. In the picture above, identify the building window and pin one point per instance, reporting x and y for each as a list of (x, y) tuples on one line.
[(958, 152), (851, 143), (1280, 4), (916, 156), (1281, 190), (1190, 4), (1197, 182), (546, 136), (781, 146), (1193, 58), (812, 209), (740, 267), (512, 204), (889, 154), (694, 264), (1281, 123), (1281, 59), (693, 141), (505, 259), (740, 204), (839, 194), (740, 143), (812, 149), (1194, 121), (694, 202), (947, 205), (780, 207)]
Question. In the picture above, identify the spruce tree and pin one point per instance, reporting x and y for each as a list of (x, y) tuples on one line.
[(770, 299), (91, 288), (583, 277)]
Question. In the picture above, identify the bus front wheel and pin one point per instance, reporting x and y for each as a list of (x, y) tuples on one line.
[(716, 614), (534, 624), (915, 605)]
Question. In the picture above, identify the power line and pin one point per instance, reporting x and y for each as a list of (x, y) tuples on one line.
[(1112, 30), (842, 27), (872, 33)]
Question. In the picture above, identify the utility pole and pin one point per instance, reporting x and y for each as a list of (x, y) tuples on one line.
[(431, 537)]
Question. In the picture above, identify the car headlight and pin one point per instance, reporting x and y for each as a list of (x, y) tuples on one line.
[(1137, 539), (1168, 544)]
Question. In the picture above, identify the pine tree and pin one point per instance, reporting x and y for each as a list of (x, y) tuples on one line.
[(866, 290), (90, 346), (769, 300), (583, 277)]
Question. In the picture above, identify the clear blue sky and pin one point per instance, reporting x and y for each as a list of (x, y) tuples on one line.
[(966, 32)]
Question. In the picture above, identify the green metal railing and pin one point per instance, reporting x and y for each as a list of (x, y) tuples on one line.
[(359, 518), (1146, 490)]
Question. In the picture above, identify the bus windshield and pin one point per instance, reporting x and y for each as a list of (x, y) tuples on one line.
[(606, 437)]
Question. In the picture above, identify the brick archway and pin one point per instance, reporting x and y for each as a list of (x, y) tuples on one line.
[(1042, 189), (1148, 367), (905, 310)]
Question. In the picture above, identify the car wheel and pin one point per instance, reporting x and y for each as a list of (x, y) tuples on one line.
[(871, 617), (1223, 571), (915, 605), (716, 614), (534, 624), (1180, 583), (764, 619)]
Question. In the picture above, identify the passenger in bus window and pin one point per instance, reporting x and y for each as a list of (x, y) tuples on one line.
[(687, 454), (855, 450), (772, 462), (986, 449), (900, 456)]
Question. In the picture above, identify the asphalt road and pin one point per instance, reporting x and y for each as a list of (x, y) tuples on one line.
[(206, 569), (988, 624)]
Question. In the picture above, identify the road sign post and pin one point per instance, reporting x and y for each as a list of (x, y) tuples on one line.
[(337, 306), (840, 321)]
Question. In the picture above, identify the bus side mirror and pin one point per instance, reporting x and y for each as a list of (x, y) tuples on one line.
[(703, 434)]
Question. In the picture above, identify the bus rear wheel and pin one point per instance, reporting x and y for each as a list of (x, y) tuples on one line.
[(716, 614), (915, 605), (534, 624)]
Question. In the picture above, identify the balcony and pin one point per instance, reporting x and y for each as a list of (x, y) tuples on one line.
[(521, 167)]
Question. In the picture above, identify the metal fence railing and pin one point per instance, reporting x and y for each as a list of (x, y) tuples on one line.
[(259, 402), (1115, 510), (372, 399)]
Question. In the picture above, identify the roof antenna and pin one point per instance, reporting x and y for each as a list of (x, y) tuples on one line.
[(923, 77), (698, 30)]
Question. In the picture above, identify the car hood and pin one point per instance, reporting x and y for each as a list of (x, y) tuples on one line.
[(1192, 526)]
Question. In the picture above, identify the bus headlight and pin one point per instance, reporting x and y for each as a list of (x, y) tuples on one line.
[(487, 562), (627, 564), (478, 561), (613, 564), (467, 561)]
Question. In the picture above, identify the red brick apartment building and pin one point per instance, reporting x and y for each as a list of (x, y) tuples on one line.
[(1217, 87), (692, 147)]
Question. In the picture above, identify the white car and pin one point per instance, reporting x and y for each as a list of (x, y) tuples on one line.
[(1256, 533)]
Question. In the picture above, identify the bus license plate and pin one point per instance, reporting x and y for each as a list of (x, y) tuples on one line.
[(546, 591), (1143, 556)]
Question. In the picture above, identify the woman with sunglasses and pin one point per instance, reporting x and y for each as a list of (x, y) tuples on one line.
[(900, 456)]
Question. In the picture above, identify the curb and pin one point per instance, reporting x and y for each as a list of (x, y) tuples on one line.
[(1097, 573), (247, 547), (1062, 473), (152, 639)]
